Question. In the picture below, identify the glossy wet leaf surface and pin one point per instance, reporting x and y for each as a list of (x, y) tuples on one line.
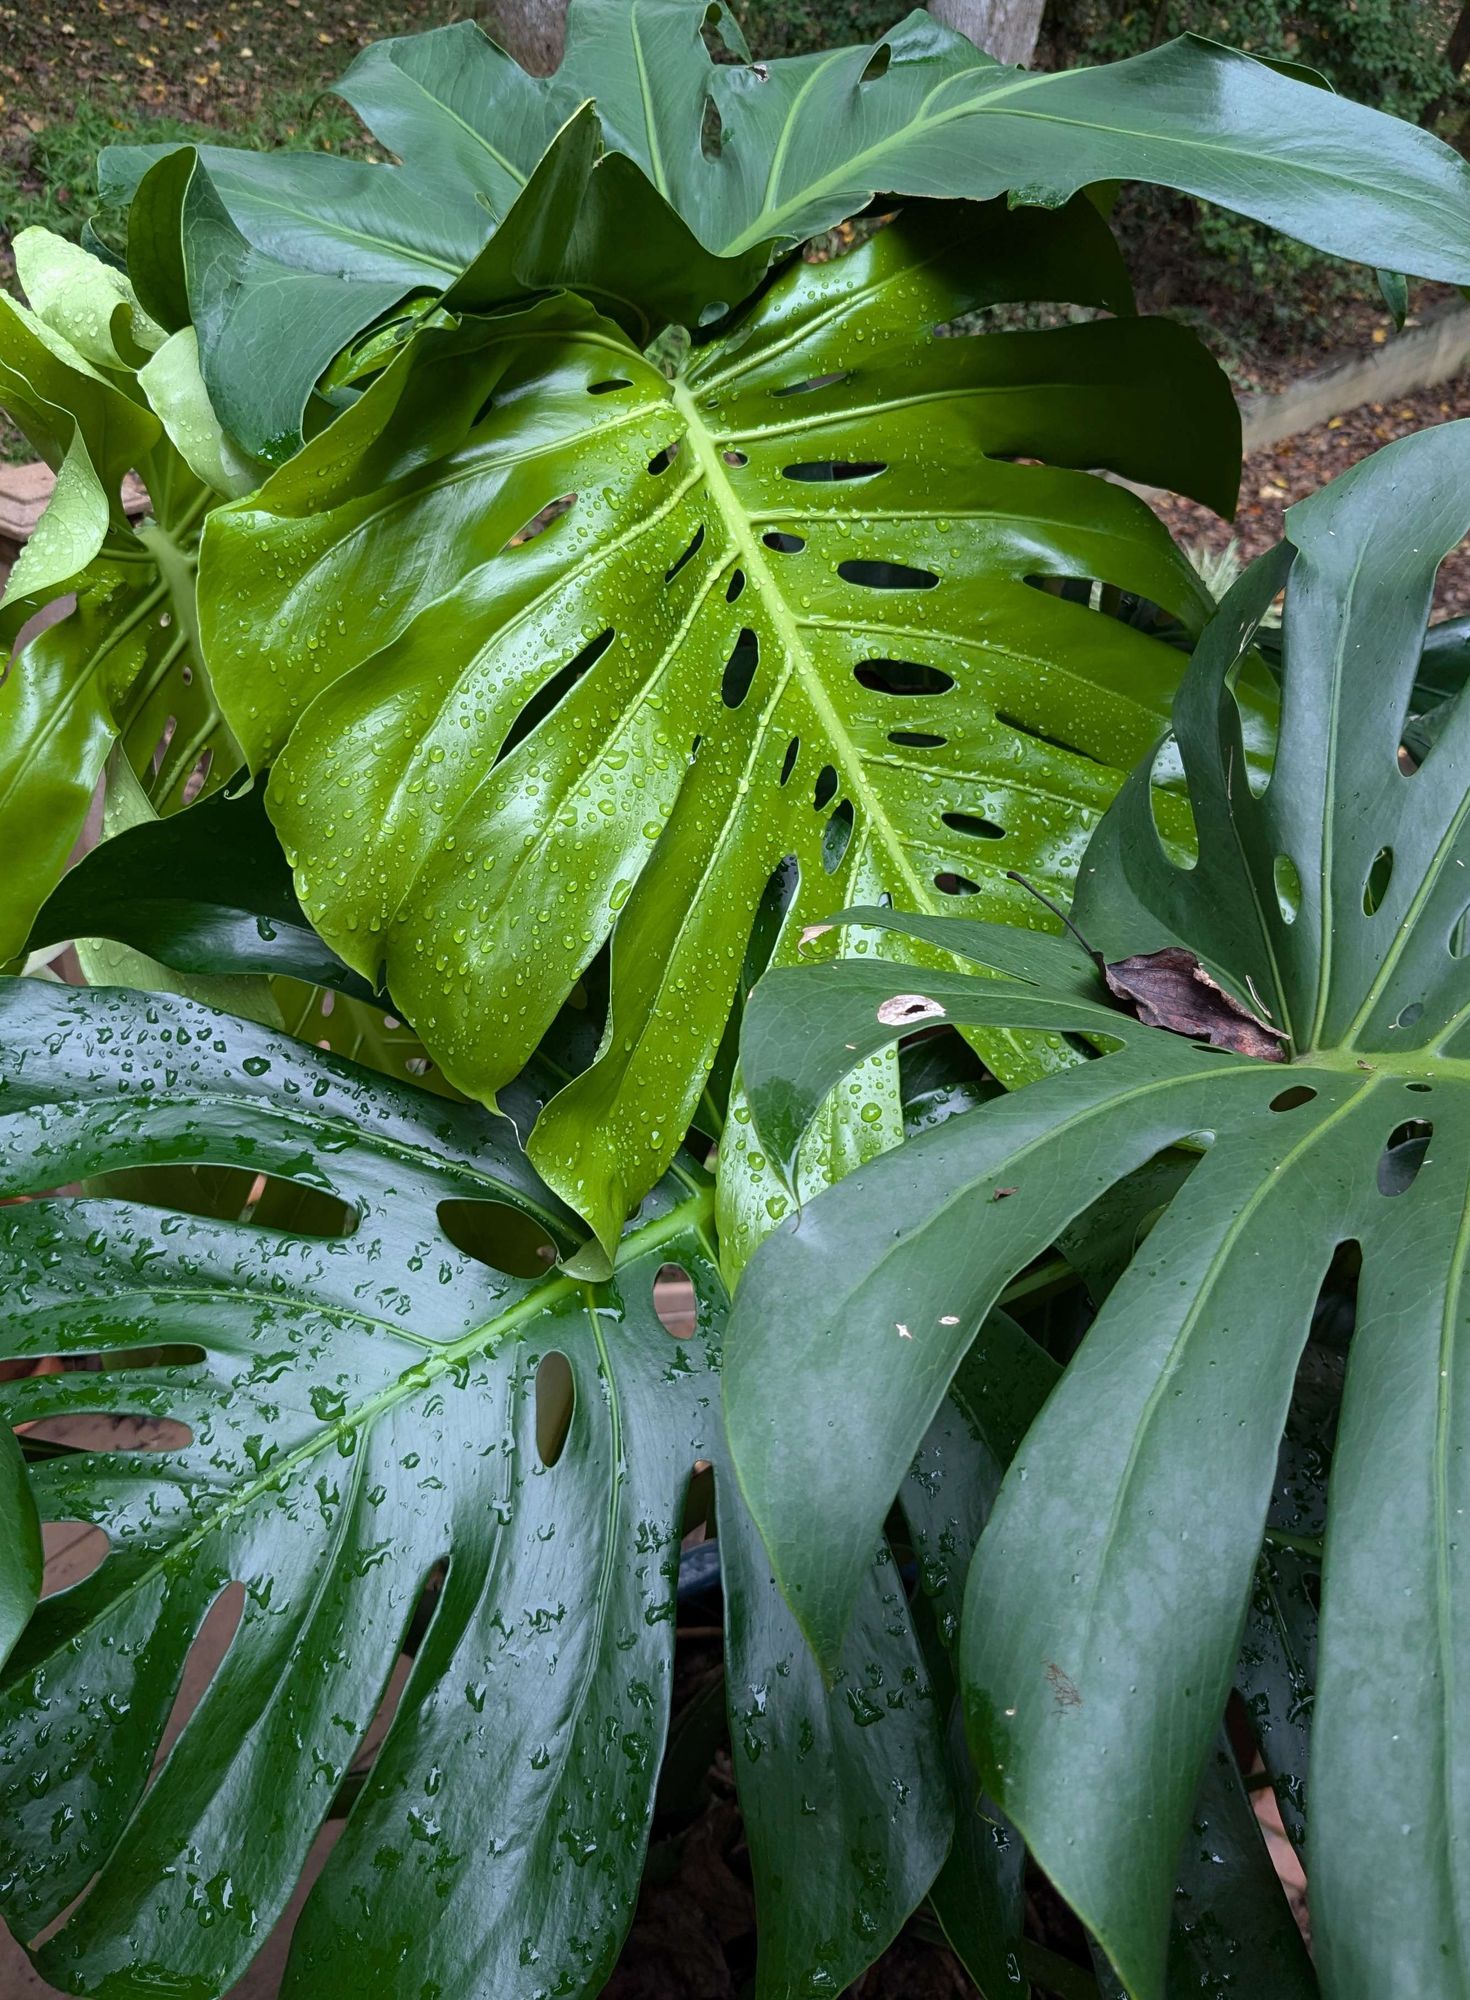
[(1105, 1606), (621, 645), (369, 1412)]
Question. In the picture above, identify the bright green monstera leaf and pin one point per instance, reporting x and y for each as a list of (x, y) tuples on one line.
[(540, 642), (1107, 1601), (368, 1413), (715, 163), (100, 392)]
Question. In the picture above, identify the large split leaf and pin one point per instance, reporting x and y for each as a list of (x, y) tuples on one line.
[(618, 645), (732, 161), (124, 662), (370, 1410), (1106, 1605)]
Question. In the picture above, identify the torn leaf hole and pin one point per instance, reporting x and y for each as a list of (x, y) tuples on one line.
[(886, 575)]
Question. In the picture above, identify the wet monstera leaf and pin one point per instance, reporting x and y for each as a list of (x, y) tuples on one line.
[(711, 163), (100, 392), (1106, 1604), (363, 1441), (539, 642)]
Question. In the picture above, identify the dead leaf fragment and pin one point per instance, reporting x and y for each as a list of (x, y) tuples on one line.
[(1171, 989), (906, 1010)]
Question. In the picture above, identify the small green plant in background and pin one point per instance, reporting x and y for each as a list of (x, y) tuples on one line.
[(558, 600)]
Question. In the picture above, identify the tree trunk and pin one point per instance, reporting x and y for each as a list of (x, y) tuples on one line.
[(532, 30), (1005, 29)]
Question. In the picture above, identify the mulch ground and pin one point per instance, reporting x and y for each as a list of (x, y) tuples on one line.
[(1282, 473)]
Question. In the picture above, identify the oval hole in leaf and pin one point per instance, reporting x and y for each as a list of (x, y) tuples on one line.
[(544, 517), (825, 789), (1423, 1087), (972, 824), (735, 586), (494, 1233), (1379, 877), (266, 1201), (813, 383), (740, 669), (662, 460), (1403, 1156), (825, 469), (1296, 1094), (674, 1301), (606, 388), (554, 691), (696, 543), (1288, 885), (75, 1550), (877, 64), (1460, 935), (793, 751), (950, 884), (903, 677), (1043, 736), (916, 739), (1410, 1014), (885, 575), (736, 458), (784, 545), (556, 1398), (836, 837)]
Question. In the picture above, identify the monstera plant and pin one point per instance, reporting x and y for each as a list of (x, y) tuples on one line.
[(1291, 1009), (547, 594)]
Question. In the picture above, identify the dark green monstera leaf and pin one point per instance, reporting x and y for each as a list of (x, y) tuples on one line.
[(367, 1410), (1107, 1602), (539, 641), (714, 164), (100, 392)]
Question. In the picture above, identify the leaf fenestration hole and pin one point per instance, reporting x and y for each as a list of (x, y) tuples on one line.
[(74, 1551), (783, 544), (1288, 885), (916, 739), (1289, 1099), (735, 586), (1052, 741), (1379, 877), (556, 1397), (886, 575), (213, 1637), (607, 388), (950, 884), (1410, 1014), (877, 64), (736, 458), (545, 516), (820, 470), (662, 460), (901, 677), (696, 543), (674, 1302), (971, 823), (553, 692), (837, 837), (1403, 1156), (813, 383), (825, 789), (1422, 1087), (793, 751), (494, 1233), (740, 669)]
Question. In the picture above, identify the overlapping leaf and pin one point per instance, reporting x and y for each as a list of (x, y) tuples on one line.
[(124, 662), (363, 1417), (719, 163), (1106, 1604), (539, 641)]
